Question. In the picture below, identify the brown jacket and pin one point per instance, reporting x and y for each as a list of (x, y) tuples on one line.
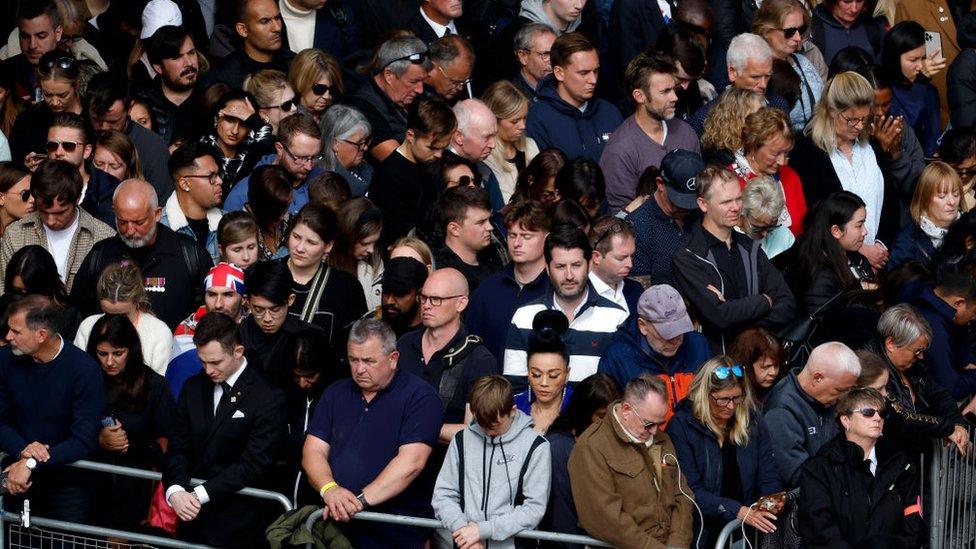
[(29, 230), (624, 494)]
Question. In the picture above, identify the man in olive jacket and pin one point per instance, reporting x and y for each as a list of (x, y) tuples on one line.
[(624, 474)]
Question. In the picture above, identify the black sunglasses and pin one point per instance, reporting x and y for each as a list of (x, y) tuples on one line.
[(287, 105), (24, 195), (788, 32), (321, 89), (68, 146), (64, 63), (869, 412), (414, 58)]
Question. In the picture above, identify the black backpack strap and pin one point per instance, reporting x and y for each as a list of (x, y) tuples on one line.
[(192, 261), (454, 367), (519, 496), (459, 439)]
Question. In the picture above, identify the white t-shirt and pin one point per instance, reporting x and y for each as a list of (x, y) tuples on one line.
[(59, 244)]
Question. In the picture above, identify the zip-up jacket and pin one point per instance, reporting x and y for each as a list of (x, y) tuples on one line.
[(694, 269), (553, 122)]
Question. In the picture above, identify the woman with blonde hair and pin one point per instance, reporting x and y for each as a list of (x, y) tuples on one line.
[(723, 449), (513, 150), (316, 78), (274, 95), (834, 153), (120, 290), (935, 206), (723, 126), (411, 246), (116, 155)]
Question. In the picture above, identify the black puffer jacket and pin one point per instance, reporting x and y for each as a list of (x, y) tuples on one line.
[(843, 506)]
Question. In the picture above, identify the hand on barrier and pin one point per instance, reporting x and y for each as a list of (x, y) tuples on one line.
[(468, 537), (18, 477), (960, 437), (758, 519), (37, 451), (340, 504), (186, 505)]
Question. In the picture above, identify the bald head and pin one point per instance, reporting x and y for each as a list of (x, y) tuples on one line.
[(136, 212), (830, 372), (450, 288), (476, 129)]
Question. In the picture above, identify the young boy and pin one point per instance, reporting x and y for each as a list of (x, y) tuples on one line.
[(501, 451)]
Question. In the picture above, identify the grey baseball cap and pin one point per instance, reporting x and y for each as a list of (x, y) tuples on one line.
[(663, 307)]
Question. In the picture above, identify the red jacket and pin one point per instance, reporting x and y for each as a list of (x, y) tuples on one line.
[(796, 202)]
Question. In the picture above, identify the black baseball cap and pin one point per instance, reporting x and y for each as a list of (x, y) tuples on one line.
[(403, 275), (679, 170)]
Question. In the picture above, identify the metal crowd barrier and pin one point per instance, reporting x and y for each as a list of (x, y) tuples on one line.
[(952, 515), (434, 524), (28, 531)]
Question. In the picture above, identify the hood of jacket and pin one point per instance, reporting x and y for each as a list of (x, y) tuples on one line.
[(548, 93), (635, 345), (532, 10)]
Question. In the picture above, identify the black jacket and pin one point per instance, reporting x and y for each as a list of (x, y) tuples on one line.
[(961, 89), (634, 25), (230, 450), (233, 69), (843, 506), (173, 122), (694, 269), (824, 284)]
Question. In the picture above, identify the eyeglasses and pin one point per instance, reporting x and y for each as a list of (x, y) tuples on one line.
[(361, 145), (455, 84), (757, 229), (723, 402), (435, 300), (312, 159), (287, 106), (213, 178), (723, 372), (648, 425), (617, 226), (415, 59), (465, 181), (543, 55), (321, 89), (853, 122), (919, 353), (966, 173), (869, 412), (68, 146), (24, 195), (790, 31), (271, 312)]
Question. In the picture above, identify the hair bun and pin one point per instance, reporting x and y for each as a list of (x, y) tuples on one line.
[(550, 321)]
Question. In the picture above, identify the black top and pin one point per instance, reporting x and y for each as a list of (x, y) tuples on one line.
[(170, 121), (400, 189), (731, 267), (387, 120), (142, 425), (343, 302), (731, 477), (200, 228), (488, 264), (518, 160), (268, 352), (232, 70)]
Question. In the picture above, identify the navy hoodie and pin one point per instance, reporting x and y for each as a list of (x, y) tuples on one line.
[(553, 122)]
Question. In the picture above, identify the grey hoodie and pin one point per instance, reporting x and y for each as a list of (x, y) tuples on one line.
[(494, 462), (532, 10)]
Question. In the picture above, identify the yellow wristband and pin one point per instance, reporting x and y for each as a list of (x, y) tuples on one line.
[(327, 487)]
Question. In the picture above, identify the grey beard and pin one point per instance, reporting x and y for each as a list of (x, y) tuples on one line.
[(140, 242)]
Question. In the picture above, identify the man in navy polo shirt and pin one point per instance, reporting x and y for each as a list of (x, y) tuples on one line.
[(370, 438)]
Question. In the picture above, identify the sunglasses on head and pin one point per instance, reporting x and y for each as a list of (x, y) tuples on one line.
[(414, 58), (68, 146), (869, 412), (64, 63), (791, 31), (723, 372), (321, 89)]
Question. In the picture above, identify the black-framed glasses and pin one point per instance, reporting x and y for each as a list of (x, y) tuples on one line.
[(415, 59), (723, 402), (870, 411), (301, 159), (648, 425), (758, 229), (68, 146), (544, 55), (789, 32), (361, 145), (617, 226), (286, 106), (455, 84), (723, 372), (24, 195), (213, 178), (435, 300), (63, 62), (853, 122), (322, 89), (465, 181)]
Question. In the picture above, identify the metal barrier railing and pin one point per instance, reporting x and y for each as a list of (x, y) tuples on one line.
[(731, 536), (30, 523), (436, 524), (952, 517)]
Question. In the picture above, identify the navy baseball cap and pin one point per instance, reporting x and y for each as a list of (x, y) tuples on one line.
[(679, 170)]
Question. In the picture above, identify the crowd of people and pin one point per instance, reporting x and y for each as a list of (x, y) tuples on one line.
[(630, 269)]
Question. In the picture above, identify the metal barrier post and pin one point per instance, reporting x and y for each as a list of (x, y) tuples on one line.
[(435, 524)]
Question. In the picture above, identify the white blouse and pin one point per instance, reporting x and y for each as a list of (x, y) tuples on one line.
[(862, 176)]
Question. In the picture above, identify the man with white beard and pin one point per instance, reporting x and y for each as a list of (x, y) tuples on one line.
[(173, 265)]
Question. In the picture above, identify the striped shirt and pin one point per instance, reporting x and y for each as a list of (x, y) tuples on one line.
[(588, 336)]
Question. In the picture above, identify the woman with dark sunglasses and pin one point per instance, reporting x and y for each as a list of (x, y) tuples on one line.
[(15, 197), (274, 95), (860, 490), (58, 77), (317, 79), (724, 450)]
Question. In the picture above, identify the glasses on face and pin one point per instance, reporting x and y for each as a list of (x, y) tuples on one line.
[(618, 226), (855, 122), (455, 84), (361, 145), (919, 353), (213, 178), (648, 425), (465, 181), (415, 59), (723, 372), (869, 412), (24, 194), (790, 32), (68, 146), (312, 159), (273, 313), (287, 106), (758, 229), (723, 402), (543, 55), (435, 301), (321, 89)]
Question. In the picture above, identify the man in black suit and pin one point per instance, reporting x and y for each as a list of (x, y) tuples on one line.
[(229, 427)]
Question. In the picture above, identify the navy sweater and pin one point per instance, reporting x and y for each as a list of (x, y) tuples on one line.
[(57, 403)]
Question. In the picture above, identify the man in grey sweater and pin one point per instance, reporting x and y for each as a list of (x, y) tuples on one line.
[(500, 444)]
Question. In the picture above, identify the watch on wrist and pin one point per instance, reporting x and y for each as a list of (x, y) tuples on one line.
[(31, 463), (362, 499)]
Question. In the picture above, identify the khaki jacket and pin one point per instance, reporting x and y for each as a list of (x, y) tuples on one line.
[(624, 492), (29, 230)]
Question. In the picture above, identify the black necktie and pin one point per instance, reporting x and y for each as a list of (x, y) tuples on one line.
[(224, 397), (447, 31)]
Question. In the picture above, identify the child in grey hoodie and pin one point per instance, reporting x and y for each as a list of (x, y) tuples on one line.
[(495, 479)]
